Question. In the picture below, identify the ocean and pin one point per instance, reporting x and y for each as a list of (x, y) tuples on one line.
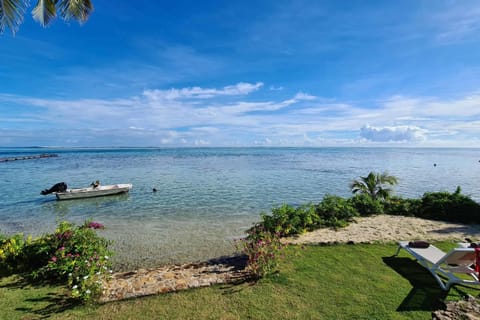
[(206, 197)]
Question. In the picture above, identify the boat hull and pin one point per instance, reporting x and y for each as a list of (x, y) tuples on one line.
[(91, 192)]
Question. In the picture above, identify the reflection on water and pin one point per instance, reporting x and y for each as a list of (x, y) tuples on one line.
[(32, 201), (66, 209)]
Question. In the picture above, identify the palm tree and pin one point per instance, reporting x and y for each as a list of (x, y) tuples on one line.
[(374, 185), (12, 12)]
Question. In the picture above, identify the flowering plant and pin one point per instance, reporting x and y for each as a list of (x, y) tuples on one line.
[(80, 257), (262, 249), (73, 255), (94, 225)]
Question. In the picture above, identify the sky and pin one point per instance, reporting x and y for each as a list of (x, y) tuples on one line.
[(246, 73)]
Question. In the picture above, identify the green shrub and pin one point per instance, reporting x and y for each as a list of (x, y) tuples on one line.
[(11, 253), (76, 256), (447, 206), (279, 220), (81, 258), (335, 212), (366, 205), (402, 207), (288, 220)]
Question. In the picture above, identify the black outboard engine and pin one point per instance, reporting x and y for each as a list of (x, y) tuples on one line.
[(59, 187)]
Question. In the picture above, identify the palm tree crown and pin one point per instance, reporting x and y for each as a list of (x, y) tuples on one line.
[(12, 12), (374, 185)]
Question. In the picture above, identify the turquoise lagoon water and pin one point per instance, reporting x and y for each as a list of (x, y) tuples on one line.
[(206, 197)]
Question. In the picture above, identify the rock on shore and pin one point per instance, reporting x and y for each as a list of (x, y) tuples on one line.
[(144, 282)]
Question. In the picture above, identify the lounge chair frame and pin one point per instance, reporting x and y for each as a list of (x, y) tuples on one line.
[(439, 263)]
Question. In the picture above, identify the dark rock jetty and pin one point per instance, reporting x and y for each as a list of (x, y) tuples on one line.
[(38, 156)]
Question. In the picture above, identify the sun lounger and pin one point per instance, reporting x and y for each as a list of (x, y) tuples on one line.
[(449, 265)]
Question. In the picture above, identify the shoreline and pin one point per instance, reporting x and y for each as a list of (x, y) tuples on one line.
[(375, 229)]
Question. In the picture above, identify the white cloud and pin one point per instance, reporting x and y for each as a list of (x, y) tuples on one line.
[(206, 130), (240, 88), (393, 134), (467, 106), (264, 142), (456, 22), (304, 96), (200, 142), (273, 88), (136, 128)]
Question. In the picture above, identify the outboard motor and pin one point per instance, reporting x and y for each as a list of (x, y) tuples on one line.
[(59, 187)]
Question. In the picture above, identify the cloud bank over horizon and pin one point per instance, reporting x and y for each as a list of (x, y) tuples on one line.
[(392, 134), (237, 115)]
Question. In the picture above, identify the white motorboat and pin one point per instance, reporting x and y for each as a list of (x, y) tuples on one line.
[(93, 191)]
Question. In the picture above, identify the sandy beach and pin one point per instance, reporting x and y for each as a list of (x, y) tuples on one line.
[(386, 228)]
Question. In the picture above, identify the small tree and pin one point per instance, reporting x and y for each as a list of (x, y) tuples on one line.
[(375, 185)]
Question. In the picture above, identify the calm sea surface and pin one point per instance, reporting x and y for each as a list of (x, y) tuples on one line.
[(206, 197)]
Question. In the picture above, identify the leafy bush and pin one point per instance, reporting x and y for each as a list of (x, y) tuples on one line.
[(262, 249), (11, 253), (288, 220), (366, 205), (449, 207), (335, 212), (73, 255), (402, 207)]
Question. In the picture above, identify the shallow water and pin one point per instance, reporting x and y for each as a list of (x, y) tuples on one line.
[(207, 196)]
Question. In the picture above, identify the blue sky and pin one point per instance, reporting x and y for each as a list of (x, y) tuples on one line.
[(246, 73)]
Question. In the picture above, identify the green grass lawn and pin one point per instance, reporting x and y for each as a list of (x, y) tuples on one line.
[(315, 282)]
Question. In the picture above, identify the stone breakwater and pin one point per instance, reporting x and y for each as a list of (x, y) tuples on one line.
[(40, 156), (143, 282)]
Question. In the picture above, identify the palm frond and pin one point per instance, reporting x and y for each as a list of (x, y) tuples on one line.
[(77, 9), (44, 11), (358, 186), (11, 14), (385, 178), (384, 193)]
